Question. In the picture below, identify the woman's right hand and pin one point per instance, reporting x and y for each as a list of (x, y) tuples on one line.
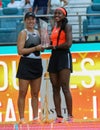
[(39, 48)]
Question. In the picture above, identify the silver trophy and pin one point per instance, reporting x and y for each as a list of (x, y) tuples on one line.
[(45, 40)]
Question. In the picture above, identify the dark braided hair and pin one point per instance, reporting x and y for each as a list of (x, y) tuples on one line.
[(63, 24)]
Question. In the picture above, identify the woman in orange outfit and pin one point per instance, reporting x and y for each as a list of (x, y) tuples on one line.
[(60, 64)]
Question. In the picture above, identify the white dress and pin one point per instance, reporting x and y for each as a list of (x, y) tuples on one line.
[(13, 5), (55, 4)]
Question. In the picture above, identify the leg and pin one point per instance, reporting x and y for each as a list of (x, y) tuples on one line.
[(56, 93), (64, 78), (35, 88), (23, 87)]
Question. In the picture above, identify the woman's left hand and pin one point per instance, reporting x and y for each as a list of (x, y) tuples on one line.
[(39, 48)]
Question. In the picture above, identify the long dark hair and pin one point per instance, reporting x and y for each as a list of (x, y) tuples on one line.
[(63, 24)]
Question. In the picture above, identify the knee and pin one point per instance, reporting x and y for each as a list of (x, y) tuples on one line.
[(22, 93), (63, 84), (35, 95), (65, 88), (56, 90)]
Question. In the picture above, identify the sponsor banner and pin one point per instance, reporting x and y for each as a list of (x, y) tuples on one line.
[(84, 84)]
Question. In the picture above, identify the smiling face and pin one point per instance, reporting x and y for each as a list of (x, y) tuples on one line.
[(30, 21), (58, 15)]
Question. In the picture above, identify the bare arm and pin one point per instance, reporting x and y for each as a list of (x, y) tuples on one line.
[(49, 6), (68, 43), (35, 7), (69, 35)]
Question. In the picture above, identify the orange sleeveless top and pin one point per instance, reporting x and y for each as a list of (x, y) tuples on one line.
[(54, 36)]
